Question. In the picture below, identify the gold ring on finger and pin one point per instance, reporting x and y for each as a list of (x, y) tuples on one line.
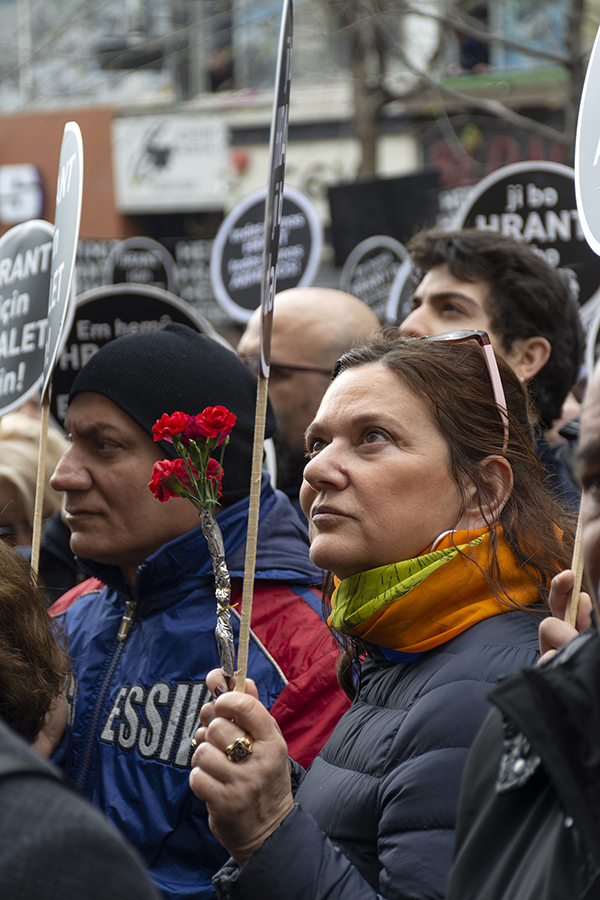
[(239, 750)]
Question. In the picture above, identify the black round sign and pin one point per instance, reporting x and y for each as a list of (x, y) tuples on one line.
[(106, 313), (236, 265), (141, 261), (25, 266), (534, 202), (370, 271)]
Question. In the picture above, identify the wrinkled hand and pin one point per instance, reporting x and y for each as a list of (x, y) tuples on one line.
[(246, 801), (554, 631)]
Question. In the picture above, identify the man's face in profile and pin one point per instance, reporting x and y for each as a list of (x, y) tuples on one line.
[(113, 517)]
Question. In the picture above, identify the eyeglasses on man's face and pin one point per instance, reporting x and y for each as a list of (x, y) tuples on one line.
[(282, 369), (482, 338)]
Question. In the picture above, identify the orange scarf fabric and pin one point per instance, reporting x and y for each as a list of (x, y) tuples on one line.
[(416, 605)]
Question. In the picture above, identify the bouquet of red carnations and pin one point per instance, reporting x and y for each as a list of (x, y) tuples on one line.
[(197, 476)]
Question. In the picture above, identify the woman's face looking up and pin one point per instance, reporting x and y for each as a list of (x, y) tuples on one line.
[(377, 488)]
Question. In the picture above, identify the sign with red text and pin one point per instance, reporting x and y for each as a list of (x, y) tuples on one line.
[(470, 147), (25, 263), (69, 192)]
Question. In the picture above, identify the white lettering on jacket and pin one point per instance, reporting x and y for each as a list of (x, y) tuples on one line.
[(158, 722)]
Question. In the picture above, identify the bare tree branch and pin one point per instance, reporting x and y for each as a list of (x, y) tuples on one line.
[(499, 111), (490, 106), (372, 28), (485, 36)]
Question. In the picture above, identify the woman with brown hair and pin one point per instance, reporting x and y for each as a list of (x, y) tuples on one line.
[(34, 665), (427, 503)]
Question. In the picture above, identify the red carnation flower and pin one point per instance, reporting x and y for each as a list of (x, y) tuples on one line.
[(215, 421), (168, 425), (193, 431), (214, 473), (169, 478)]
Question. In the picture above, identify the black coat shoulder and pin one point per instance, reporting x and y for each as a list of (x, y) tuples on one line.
[(53, 843)]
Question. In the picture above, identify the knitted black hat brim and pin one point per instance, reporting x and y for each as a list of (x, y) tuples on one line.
[(176, 368)]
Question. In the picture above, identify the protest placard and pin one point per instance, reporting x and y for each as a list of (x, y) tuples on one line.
[(236, 264), (25, 253)]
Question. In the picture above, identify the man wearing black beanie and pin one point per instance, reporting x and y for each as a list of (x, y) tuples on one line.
[(142, 644)]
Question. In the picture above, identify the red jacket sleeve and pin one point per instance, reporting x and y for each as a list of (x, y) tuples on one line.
[(296, 637), (64, 602)]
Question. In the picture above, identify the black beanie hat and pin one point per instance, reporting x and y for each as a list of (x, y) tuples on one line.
[(176, 368)]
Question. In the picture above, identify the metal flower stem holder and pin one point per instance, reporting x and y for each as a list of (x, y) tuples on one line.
[(223, 631), (205, 499)]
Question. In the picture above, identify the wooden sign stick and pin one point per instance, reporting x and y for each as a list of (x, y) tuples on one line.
[(577, 566), (273, 211), (40, 483), (251, 540)]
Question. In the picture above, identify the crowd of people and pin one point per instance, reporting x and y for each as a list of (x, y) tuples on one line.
[(399, 737)]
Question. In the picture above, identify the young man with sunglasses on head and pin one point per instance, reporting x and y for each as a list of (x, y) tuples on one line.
[(312, 327), (483, 280)]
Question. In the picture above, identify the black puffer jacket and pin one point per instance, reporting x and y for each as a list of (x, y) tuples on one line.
[(529, 818), (385, 786)]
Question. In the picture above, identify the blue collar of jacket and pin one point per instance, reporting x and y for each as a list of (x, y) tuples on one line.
[(282, 552)]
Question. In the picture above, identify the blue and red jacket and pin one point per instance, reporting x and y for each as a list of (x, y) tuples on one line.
[(140, 658)]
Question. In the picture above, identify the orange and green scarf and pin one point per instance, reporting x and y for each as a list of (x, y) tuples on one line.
[(416, 605)]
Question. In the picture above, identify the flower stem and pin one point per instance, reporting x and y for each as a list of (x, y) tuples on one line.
[(223, 631)]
